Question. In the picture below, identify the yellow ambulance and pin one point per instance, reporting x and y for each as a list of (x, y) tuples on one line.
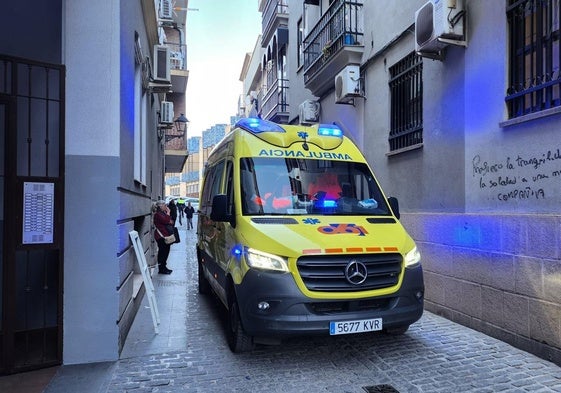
[(295, 237)]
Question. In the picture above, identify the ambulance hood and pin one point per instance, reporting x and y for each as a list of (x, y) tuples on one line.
[(305, 235)]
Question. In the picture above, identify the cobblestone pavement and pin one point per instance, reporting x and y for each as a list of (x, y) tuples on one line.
[(435, 355)]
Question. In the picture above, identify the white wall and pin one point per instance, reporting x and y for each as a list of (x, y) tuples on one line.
[(91, 55)]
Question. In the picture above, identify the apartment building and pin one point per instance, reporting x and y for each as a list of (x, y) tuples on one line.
[(456, 105), (87, 133), (188, 182)]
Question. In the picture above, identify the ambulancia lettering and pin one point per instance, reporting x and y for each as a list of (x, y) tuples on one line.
[(301, 154)]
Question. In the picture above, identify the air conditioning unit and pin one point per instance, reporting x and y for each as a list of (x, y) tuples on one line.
[(437, 22), (347, 84), (166, 9), (166, 112), (309, 111), (162, 63)]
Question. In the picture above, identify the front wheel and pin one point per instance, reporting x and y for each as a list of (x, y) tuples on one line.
[(238, 339)]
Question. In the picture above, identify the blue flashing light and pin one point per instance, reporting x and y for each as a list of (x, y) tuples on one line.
[(256, 125), (237, 250), (327, 203), (330, 130)]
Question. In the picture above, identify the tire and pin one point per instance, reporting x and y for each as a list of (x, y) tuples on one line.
[(204, 286), (238, 339), (397, 331)]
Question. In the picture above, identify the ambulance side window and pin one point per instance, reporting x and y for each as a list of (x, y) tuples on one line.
[(205, 202), (211, 187), (217, 180), (230, 186)]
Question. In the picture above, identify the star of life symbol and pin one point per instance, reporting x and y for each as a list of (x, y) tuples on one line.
[(310, 221)]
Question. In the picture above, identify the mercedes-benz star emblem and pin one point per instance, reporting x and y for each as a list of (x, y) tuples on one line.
[(356, 272)]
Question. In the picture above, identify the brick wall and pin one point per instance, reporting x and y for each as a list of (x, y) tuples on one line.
[(498, 274)]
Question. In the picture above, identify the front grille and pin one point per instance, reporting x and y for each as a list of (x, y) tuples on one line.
[(349, 306), (326, 273)]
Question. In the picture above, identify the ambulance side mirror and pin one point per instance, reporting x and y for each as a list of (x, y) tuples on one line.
[(219, 210), (394, 204)]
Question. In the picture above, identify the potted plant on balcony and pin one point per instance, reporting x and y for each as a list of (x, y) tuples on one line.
[(326, 49)]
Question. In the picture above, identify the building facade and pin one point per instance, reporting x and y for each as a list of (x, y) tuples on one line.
[(84, 151), (456, 106), (187, 183)]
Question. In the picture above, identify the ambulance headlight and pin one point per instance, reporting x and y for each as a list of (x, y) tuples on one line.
[(413, 258), (261, 260)]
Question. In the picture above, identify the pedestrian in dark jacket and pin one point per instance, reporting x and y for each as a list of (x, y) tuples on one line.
[(172, 210), (189, 211)]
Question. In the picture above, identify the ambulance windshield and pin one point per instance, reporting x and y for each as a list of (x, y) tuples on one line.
[(287, 186)]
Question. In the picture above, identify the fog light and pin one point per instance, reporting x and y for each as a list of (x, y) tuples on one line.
[(419, 295), (263, 306)]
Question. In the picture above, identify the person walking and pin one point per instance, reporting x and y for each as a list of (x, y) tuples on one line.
[(162, 222), (172, 210), (189, 211), (180, 208)]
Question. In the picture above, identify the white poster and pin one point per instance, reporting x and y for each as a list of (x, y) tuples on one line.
[(38, 212)]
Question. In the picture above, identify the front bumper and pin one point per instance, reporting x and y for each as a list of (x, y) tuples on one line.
[(289, 312)]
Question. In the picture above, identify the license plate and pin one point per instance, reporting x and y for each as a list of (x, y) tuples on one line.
[(360, 326)]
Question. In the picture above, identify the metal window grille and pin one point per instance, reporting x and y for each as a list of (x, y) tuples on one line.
[(534, 56), (406, 90)]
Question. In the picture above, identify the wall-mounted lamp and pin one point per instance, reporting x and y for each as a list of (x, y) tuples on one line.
[(180, 128)]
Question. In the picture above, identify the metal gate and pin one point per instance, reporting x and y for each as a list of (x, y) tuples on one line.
[(31, 214)]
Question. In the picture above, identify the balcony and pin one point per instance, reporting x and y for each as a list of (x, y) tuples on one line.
[(174, 138), (274, 105), (178, 67), (176, 153), (334, 42), (275, 15)]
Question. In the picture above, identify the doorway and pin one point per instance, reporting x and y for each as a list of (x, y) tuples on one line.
[(31, 214)]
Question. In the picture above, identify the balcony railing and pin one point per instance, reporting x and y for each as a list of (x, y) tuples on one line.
[(340, 26), (273, 9), (275, 101), (178, 56), (175, 150)]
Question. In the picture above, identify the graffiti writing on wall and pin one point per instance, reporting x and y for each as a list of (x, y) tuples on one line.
[(518, 177)]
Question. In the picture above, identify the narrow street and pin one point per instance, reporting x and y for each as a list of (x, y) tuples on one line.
[(190, 354)]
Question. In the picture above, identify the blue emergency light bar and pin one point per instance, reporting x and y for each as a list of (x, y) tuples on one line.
[(256, 125), (330, 130), (328, 203)]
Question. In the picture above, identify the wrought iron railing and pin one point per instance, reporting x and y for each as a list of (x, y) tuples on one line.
[(341, 25), (275, 99), (272, 9), (406, 88), (178, 56)]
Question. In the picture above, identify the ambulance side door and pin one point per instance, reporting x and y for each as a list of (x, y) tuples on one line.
[(210, 232), (225, 239)]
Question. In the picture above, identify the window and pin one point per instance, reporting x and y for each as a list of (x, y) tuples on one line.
[(212, 185), (534, 56), (140, 111), (406, 91), (230, 187), (286, 186), (300, 39)]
